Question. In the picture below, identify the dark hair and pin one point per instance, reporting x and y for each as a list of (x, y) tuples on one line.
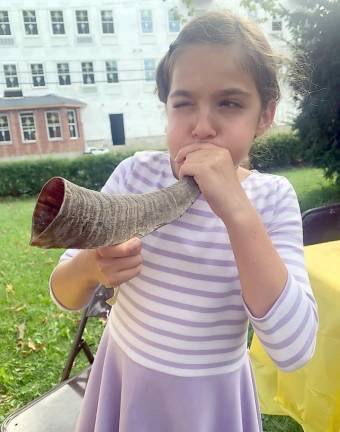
[(225, 28)]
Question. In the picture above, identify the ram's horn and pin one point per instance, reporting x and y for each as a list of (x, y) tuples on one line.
[(70, 216)]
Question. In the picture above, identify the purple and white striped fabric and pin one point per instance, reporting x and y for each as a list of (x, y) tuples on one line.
[(184, 315)]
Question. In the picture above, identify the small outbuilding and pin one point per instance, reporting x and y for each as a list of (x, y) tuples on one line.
[(40, 125)]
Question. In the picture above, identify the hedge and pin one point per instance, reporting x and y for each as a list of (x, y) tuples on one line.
[(276, 150), (27, 177)]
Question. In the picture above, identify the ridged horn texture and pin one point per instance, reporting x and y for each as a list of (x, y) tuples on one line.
[(70, 216)]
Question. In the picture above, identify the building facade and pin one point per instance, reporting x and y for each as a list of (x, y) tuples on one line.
[(101, 53), (40, 125)]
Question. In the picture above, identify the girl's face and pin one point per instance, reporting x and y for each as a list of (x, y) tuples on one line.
[(213, 99)]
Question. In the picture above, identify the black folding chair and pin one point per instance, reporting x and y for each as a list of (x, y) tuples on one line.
[(96, 308), (321, 224), (58, 409)]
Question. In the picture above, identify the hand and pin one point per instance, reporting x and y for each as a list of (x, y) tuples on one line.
[(213, 170), (119, 263)]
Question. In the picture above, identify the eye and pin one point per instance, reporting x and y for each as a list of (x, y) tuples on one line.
[(181, 104), (229, 103)]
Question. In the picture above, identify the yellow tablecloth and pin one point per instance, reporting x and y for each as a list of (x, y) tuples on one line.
[(310, 395)]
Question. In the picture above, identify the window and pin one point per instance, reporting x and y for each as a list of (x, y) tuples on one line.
[(174, 21), (64, 76), (5, 135), (146, 21), (53, 125), (88, 74), (30, 22), (57, 21), (5, 29), (107, 22), (72, 123), (83, 26), (276, 25), (38, 75), (28, 131), (111, 71), (11, 76), (150, 69)]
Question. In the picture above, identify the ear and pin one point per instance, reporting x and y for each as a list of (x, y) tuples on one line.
[(266, 118)]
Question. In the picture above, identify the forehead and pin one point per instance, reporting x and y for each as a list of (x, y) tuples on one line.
[(208, 68)]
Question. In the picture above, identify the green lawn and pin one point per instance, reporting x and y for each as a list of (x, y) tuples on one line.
[(36, 335)]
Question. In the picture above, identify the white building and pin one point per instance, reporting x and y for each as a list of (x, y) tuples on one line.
[(103, 53)]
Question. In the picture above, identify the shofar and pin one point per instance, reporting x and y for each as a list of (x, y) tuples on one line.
[(70, 216)]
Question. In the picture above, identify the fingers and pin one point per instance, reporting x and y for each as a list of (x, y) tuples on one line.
[(126, 249), (119, 263), (186, 150), (122, 276)]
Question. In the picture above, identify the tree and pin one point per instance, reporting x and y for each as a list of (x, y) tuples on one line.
[(317, 44), (314, 76)]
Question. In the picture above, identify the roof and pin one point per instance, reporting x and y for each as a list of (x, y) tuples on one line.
[(34, 102)]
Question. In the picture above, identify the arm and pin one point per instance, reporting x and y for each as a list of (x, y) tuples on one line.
[(73, 281), (263, 274), (287, 324), (274, 282)]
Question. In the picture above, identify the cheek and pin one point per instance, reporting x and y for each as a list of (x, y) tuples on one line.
[(175, 132)]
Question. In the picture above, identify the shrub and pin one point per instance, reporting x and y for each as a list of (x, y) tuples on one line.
[(28, 176), (275, 150)]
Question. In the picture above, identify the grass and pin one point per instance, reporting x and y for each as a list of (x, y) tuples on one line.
[(36, 335), (312, 189)]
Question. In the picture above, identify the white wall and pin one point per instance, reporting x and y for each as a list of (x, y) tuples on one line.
[(132, 96)]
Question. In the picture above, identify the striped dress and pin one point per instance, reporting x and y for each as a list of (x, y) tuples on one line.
[(173, 356)]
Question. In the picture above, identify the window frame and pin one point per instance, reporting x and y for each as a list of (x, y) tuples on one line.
[(78, 23), (16, 75), (21, 113), (6, 24), (35, 23), (88, 73), (74, 111), (113, 72), (275, 22), (66, 73), (53, 23), (171, 20), (103, 22), (141, 22), (48, 126), (43, 75), (8, 128), (147, 70)]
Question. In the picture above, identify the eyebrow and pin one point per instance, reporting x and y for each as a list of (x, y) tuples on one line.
[(234, 91)]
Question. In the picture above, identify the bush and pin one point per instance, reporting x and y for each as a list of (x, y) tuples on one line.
[(276, 150), (27, 177)]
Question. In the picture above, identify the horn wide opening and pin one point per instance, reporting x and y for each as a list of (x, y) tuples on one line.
[(48, 206)]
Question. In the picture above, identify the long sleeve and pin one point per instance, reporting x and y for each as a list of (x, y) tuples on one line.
[(288, 330)]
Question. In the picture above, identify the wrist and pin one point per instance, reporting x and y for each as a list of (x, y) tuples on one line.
[(240, 212), (86, 264)]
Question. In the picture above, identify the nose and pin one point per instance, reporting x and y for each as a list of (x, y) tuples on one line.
[(204, 126)]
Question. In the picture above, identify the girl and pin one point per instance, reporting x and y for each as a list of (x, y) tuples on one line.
[(173, 356)]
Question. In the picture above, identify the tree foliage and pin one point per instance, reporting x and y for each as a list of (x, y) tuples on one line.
[(317, 45), (314, 75)]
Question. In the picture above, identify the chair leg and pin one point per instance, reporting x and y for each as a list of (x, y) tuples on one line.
[(76, 347), (84, 346)]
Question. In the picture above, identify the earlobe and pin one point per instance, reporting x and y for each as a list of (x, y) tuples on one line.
[(266, 118)]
